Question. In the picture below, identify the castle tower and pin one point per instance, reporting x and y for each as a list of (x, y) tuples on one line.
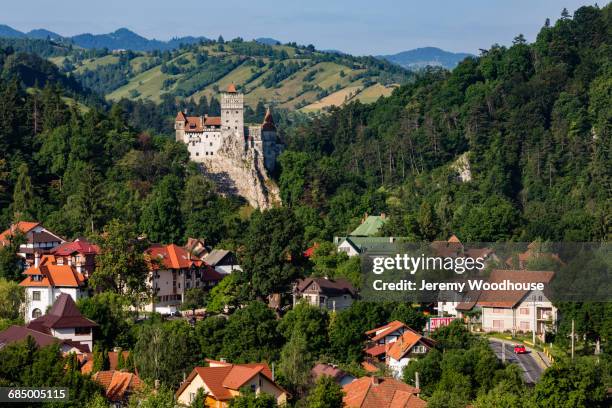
[(179, 125), (232, 111), (269, 140)]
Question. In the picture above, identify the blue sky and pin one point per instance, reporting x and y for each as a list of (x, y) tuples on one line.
[(355, 26)]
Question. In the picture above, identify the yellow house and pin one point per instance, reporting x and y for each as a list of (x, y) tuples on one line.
[(223, 381)]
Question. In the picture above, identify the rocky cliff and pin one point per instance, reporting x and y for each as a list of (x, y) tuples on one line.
[(241, 171)]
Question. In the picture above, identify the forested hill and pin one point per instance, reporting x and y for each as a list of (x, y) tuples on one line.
[(534, 121)]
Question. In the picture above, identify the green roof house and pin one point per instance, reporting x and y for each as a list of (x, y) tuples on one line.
[(370, 226)]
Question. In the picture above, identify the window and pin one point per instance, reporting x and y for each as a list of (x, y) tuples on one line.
[(211, 143), (498, 324), (524, 310), (36, 295), (419, 349), (524, 326), (197, 153), (80, 331), (36, 313)]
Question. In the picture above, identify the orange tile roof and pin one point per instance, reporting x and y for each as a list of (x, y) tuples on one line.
[(169, 256), (231, 88), (399, 348), (369, 367), (53, 275), (222, 377), (385, 393), (181, 117), (118, 383), (23, 226), (376, 350), (386, 330)]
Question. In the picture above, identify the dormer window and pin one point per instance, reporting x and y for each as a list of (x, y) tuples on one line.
[(37, 278)]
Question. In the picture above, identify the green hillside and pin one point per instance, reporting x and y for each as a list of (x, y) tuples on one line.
[(289, 76)]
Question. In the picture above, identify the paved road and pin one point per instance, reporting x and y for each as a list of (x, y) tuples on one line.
[(532, 368)]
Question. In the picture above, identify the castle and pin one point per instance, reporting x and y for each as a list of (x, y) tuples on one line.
[(205, 135)]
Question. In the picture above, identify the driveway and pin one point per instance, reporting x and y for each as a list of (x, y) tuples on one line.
[(532, 363)]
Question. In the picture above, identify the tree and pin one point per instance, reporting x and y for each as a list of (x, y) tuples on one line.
[(312, 322), (327, 393), (248, 399), (453, 336), (12, 297), (224, 294), (109, 310), (270, 265), (161, 219), (23, 195), (200, 399), (165, 351), (295, 363), (11, 264), (149, 398), (194, 298), (251, 335), (571, 384), (120, 265), (405, 313)]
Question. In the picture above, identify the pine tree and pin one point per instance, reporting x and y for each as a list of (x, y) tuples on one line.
[(23, 195)]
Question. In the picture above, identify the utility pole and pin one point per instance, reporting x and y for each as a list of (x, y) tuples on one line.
[(535, 322), (573, 339)]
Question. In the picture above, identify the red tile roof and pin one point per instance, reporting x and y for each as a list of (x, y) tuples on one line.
[(368, 392), (79, 245), (386, 330), (321, 369), (53, 275), (376, 350), (231, 88), (369, 367), (331, 287), (197, 123), (118, 384), (63, 314), (42, 339)]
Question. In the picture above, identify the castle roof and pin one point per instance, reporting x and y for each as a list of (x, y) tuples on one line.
[(197, 123), (180, 117), (231, 88), (268, 123)]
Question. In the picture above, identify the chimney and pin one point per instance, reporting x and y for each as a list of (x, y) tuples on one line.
[(36, 259), (375, 380)]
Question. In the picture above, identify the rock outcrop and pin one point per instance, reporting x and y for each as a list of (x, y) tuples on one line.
[(462, 167), (242, 172)]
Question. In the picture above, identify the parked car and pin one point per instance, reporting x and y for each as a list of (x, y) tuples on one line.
[(519, 349)]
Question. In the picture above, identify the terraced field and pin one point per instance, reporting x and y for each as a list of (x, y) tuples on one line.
[(287, 76)]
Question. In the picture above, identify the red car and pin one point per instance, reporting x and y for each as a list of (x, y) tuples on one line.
[(519, 349)]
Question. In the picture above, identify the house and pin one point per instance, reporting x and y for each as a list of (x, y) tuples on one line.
[(172, 272), (376, 392), (535, 250), (197, 247), (65, 321), (223, 261), (396, 345), (14, 334), (223, 381), (409, 346), (37, 239), (46, 280), (370, 225), (79, 253), (118, 385), (334, 294), (339, 376), (515, 310)]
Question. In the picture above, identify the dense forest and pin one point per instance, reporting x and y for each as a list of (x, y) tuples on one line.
[(531, 122)]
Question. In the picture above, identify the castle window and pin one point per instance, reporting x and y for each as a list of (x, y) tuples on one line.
[(227, 113), (197, 153), (36, 313), (236, 112), (211, 143), (211, 153), (36, 295)]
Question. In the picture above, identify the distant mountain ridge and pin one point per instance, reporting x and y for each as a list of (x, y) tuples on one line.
[(426, 56), (121, 39)]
